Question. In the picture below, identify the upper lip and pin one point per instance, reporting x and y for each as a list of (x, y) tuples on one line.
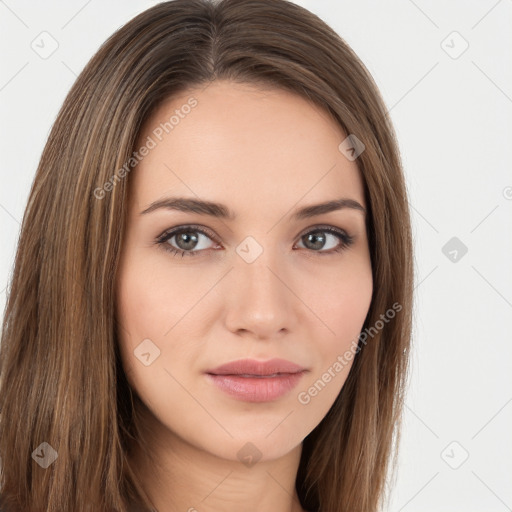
[(254, 367)]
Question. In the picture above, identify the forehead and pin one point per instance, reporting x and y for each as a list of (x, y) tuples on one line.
[(244, 143)]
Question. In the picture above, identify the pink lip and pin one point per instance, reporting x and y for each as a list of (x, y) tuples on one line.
[(253, 367), (256, 381)]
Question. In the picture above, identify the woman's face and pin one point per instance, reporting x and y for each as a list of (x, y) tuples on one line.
[(266, 283)]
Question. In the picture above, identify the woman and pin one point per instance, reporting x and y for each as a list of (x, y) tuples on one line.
[(210, 307)]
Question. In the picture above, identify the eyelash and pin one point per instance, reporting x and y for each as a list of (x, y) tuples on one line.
[(345, 239)]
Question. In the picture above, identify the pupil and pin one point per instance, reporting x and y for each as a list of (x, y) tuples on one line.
[(318, 240), (186, 241)]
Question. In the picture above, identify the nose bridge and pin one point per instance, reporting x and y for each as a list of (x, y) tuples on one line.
[(260, 300)]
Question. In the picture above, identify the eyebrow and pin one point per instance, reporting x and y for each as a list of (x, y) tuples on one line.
[(185, 204)]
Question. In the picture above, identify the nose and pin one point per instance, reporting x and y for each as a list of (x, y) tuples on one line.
[(261, 298)]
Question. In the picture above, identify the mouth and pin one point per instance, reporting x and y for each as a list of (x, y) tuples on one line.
[(256, 381)]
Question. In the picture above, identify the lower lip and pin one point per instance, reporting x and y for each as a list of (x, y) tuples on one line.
[(256, 389)]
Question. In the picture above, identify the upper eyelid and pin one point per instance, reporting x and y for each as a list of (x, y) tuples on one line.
[(192, 227)]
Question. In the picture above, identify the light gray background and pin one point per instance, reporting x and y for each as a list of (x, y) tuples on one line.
[(453, 116)]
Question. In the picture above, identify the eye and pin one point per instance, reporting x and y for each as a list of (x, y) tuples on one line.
[(192, 240), (326, 240), (189, 240)]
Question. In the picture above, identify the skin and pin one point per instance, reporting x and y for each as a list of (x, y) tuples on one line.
[(264, 154)]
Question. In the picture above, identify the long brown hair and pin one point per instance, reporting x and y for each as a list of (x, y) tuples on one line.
[(61, 381)]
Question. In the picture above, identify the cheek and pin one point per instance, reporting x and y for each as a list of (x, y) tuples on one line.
[(148, 307), (140, 308), (141, 312), (340, 296), (340, 301), (152, 297), (155, 302)]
